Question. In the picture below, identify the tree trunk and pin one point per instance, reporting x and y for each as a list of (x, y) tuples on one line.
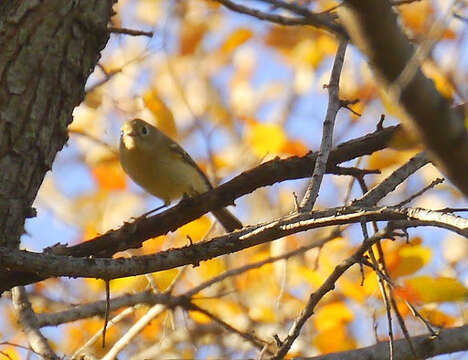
[(49, 48)]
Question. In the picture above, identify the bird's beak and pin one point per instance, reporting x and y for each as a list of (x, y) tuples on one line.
[(128, 130)]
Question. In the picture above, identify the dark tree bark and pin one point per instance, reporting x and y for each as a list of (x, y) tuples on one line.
[(49, 48), (373, 27)]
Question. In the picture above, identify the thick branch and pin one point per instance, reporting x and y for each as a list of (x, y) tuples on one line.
[(132, 236), (448, 341), (266, 174), (54, 265), (373, 27)]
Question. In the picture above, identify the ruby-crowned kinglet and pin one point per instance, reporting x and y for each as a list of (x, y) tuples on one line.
[(161, 167)]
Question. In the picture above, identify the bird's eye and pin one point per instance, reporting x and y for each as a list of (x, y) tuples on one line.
[(144, 130)]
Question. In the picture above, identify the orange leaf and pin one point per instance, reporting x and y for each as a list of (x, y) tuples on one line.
[(295, 147), (418, 16), (163, 116), (191, 35), (109, 175), (235, 39)]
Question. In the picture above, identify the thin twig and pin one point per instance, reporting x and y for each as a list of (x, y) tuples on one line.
[(95, 337), (422, 191), (383, 290), (254, 340), (326, 287), (403, 2), (323, 21), (131, 32), (334, 104), (374, 195), (134, 330), (234, 272)]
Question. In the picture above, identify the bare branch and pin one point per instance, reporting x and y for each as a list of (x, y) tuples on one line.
[(427, 346), (321, 21), (422, 191), (56, 265), (334, 105), (28, 321), (149, 298), (326, 287), (426, 111), (373, 196), (131, 32)]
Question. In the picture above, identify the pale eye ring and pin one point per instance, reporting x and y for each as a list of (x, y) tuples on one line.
[(144, 130)]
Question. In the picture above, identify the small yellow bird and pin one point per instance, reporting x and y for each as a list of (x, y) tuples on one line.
[(162, 168)]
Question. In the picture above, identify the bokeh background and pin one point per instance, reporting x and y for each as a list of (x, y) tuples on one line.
[(235, 91)]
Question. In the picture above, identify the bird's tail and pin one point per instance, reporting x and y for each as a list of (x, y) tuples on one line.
[(227, 219)]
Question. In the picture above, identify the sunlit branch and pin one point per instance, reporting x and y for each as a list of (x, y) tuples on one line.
[(427, 346), (149, 298), (56, 265), (27, 319), (334, 106), (322, 21), (326, 287)]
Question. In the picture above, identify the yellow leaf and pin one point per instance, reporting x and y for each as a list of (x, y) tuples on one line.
[(149, 11), (408, 259), (332, 315), (389, 158), (334, 339), (437, 317), (130, 283), (371, 285), (154, 327), (441, 82), (235, 39), (428, 289), (263, 313), (266, 139), (191, 35), (307, 51), (327, 44), (164, 279), (196, 229), (313, 277), (211, 268), (352, 289), (163, 116), (9, 352)]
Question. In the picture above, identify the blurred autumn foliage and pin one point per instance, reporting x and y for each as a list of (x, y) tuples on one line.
[(235, 92)]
